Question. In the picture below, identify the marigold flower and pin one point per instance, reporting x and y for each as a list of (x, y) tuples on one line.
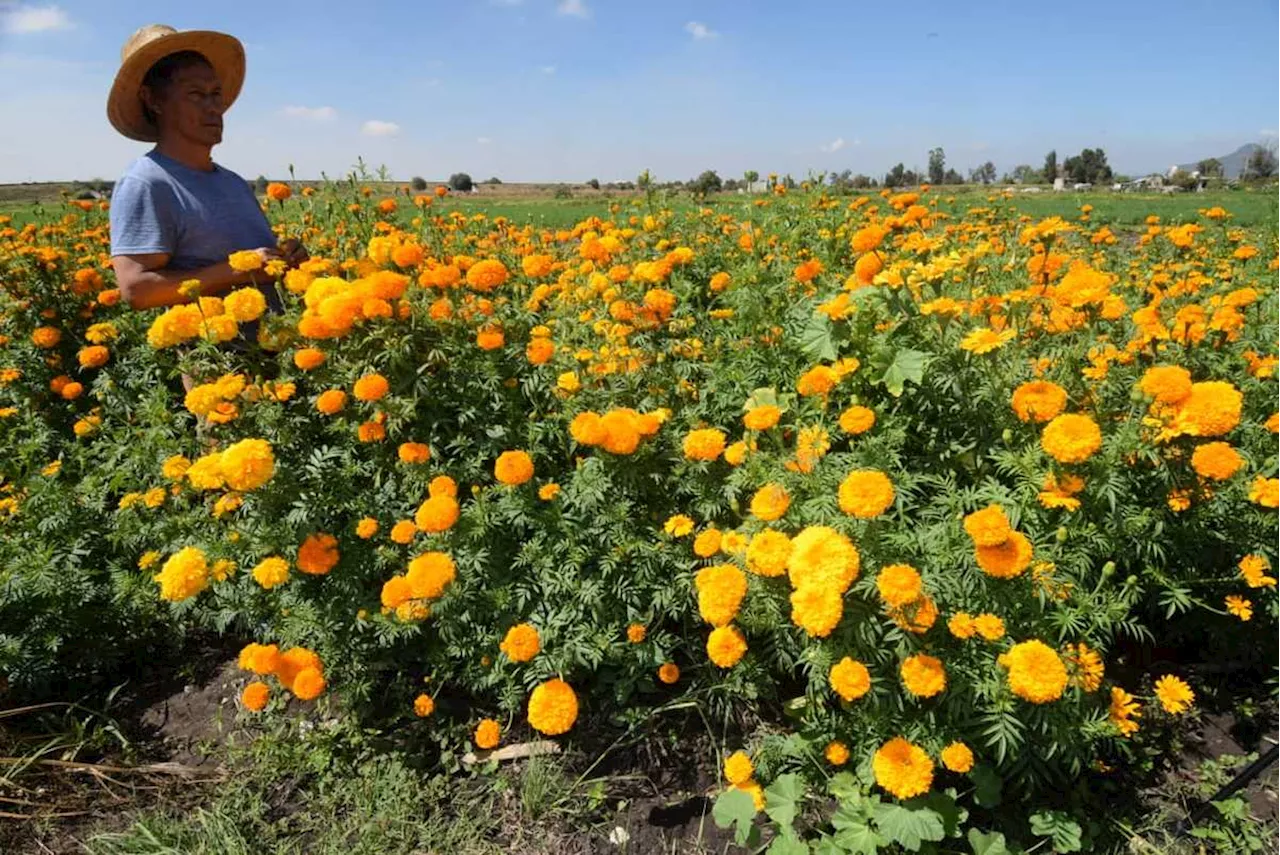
[(761, 417), (1168, 384), (961, 625), (738, 768), (902, 769), (1036, 672), (548, 492), (1211, 409), (822, 557), (184, 575), (1071, 438), (1253, 569), (247, 464), (988, 527), (669, 673), (923, 675), (437, 514), (245, 261), (636, 633), (1038, 401), (989, 626), (46, 337), (1174, 695), (816, 609), (865, 493), (93, 356), (261, 659), (726, 646), (768, 552), (486, 275), (271, 572), (245, 304), (308, 359), (1216, 461), (984, 340), (1265, 492), (1239, 606), (1122, 712), (849, 679), (720, 589), (857, 420), (553, 707), (705, 444), (521, 643), (371, 387), (331, 401), (770, 502), (678, 525), (513, 468), (366, 528), (957, 757), (899, 585), (819, 380), (430, 574), (308, 685), (318, 554), (255, 696), (423, 706), (836, 752)]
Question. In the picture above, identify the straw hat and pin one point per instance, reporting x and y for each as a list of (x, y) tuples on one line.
[(151, 44)]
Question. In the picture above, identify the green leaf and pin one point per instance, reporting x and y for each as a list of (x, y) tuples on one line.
[(859, 839), (909, 827), (787, 845), (987, 786), (906, 364), (736, 809), (815, 339), (943, 804), (987, 843), (1058, 827), (781, 799), (764, 396), (844, 786)]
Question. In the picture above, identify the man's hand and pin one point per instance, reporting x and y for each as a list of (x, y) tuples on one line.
[(292, 252)]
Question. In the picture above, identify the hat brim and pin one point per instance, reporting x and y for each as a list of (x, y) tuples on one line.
[(124, 106)]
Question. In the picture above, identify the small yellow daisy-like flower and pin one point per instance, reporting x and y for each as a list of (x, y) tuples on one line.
[(1174, 695)]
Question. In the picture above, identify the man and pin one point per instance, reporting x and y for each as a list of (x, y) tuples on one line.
[(175, 214)]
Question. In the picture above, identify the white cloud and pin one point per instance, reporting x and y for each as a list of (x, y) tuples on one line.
[(316, 114), (835, 145), (700, 31), (378, 128), (547, 69), (33, 19), (483, 140), (573, 8)]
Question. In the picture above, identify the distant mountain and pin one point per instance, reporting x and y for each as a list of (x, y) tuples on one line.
[(1232, 164)]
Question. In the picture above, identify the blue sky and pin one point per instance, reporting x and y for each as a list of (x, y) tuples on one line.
[(566, 90)]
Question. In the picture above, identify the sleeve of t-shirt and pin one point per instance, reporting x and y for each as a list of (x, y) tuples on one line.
[(143, 220)]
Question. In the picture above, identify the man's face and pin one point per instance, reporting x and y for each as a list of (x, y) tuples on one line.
[(191, 106)]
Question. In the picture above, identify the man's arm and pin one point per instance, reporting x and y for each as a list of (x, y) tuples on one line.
[(147, 282)]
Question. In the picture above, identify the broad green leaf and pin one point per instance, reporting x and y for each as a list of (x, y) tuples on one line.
[(815, 339), (764, 396), (786, 844), (909, 828), (987, 786), (849, 815), (736, 809), (782, 797), (944, 805), (1059, 827), (987, 842), (906, 364), (860, 839)]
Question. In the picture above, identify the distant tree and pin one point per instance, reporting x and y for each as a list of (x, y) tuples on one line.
[(644, 180), (751, 176), (900, 176), (1261, 164), (1024, 174), (861, 182), (731, 185), (707, 182), (937, 165), (493, 179), (789, 182), (417, 182), (984, 174), (461, 182), (952, 177), (594, 183), (260, 185), (1210, 167), (1088, 167), (1050, 171)]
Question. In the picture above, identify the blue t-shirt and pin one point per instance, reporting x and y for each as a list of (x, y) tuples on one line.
[(198, 218)]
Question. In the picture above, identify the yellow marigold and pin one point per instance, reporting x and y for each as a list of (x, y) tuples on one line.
[(438, 513), (148, 559), (1253, 569), (247, 464), (857, 420), (331, 401), (989, 626), (46, 337), (547, 492), (1239, 607), (1071, 438), (403, 532), (371, 387), (553, 707), (175, 467), (1168, 384), (984, 340), (430, 574), (255, 696), (1265, 492), (819, 380), (490, 337), (957, 757), (902, 769), (899, 584), (836, 752), (704, 444), (822, 557), (768, 552), (720, 588), (93, 356), (679, 525), (413, 452), (245, 260), (245, 304), (770, 502), (423, 706), (988, 527), (488, 734), (761, 417), (521, 643), (395, 592), (636, 633), (707, 543), (308, 685), (961, 625), (923, 675), (1174, 695), (366, 528), (1211, 409), (308, 358), (1038, 401), (849, 679), (733, 543), (1036, 672), (318, 554), (868, 238), (738, 768), (669, 673), (1216, 460), (271, 572), (816, 609), (184, 575), (865, 493), (568, 382), (259, 658), (1089, 668), (1122, 712), (487, 274), (513, 468), (726, 646)]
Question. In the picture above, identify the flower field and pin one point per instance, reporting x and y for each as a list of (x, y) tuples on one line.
[(904, 481)]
